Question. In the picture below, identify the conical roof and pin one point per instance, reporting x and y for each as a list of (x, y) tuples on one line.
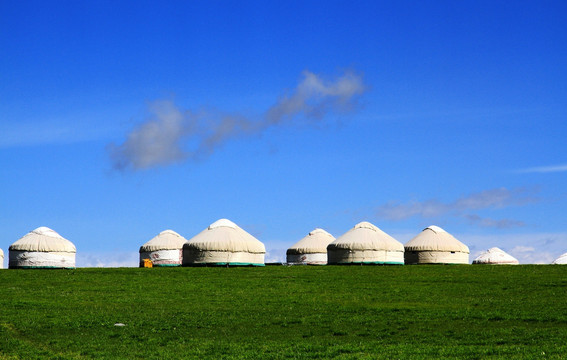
[(366, 236), (315, 242), (495, 256), (165, 240), (433, 238), (224, 235), (562, 260), (43, 239)]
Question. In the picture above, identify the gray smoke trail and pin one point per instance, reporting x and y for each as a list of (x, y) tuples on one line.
[(314, 97), (162, 140), (155, 142)]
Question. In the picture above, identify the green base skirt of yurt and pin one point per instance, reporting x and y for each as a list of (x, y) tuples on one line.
[(166, 265), (224, 264), (440, 263), (42, 267), (369, 263)]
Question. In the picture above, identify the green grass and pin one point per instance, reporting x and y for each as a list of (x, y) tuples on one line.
[(342, 312)]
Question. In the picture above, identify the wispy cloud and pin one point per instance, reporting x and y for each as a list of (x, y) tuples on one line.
[(49, 132), (461, 207), (172, 135), (493, 223), (545, 169)]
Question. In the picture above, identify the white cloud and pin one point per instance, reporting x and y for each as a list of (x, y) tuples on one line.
[(167, 136), (529, 255), (545, 169), (275, 256), (107, 259)]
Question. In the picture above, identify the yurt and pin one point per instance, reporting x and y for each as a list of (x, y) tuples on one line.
[(311, 250), (1, 259), (365, 244), (223, 243), (495, 256), (562, 260), (436, 246), (165, 249), (42, 248)]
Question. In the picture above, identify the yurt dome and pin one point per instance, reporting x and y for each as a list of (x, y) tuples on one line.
[(223, 243), (365, 244), (562, 260), (311, 250), (165, 249), (436, 246), (496, 256), (42, 248)]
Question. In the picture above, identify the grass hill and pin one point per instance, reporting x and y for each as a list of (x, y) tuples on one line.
[(285, 312)]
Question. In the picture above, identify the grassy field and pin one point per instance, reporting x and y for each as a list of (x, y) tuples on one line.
[(285, 312)]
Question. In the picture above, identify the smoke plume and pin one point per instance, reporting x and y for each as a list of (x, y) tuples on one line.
[(171, 135)]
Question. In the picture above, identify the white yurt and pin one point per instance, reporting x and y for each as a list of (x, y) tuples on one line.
[(42, 248), (562, 260), (165, 249), (436, 246), (1, 259), (496, 256), (365, 244), (311, 250), (223, 243)]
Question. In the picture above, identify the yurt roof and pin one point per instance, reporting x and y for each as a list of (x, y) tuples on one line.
[(224, 235), (433, 238), (562, 260), (43, 239), (495, 256), (315, 242), (366, 236), (165, 240)]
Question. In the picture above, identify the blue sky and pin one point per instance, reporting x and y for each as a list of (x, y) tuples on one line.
[(404, 114)]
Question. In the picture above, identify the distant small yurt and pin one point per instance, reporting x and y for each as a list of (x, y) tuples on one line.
[(365, 244), (166, 249), (1, 259), (42, 248), (223, 243), (562, 260), (311, 250), (436, 246), (495, 256)]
